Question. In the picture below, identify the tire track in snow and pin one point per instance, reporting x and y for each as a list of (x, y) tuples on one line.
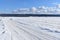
[(21, 25)]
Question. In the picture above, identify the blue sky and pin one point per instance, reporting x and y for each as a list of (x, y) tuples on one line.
[(9, 5)]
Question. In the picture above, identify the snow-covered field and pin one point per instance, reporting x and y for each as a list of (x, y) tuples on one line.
[(29, 28)]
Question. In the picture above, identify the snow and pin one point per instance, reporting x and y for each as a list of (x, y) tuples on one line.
[(29, 28)]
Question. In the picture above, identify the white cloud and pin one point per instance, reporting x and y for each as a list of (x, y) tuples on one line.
[(41, 9), (33, 9), (58, 5)]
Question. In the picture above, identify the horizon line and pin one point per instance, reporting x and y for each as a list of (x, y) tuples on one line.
[(29, 15)]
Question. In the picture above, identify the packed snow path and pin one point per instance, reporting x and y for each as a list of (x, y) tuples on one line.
[(29, 28)]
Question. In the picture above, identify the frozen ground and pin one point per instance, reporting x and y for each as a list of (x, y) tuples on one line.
[(29, 28)]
